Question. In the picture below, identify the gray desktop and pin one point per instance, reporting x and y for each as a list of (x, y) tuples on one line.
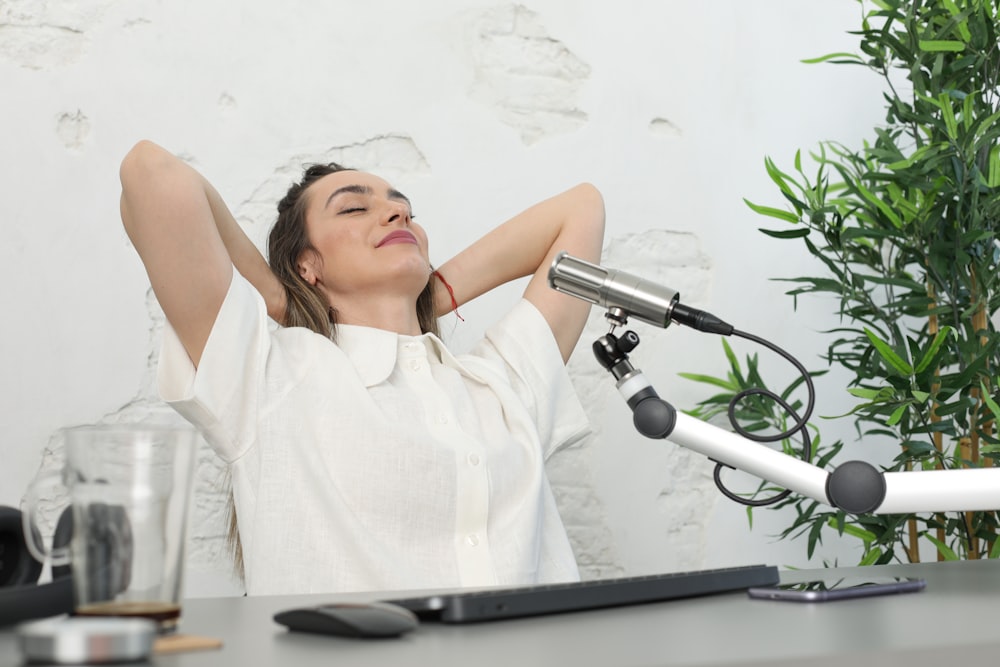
[(947, 623)]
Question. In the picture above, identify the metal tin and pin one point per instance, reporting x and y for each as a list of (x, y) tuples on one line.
[(76, 640)]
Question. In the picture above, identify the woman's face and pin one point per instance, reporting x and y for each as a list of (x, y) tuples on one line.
[(363, 230)]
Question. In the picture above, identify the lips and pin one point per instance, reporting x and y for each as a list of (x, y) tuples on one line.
[(398, 236)]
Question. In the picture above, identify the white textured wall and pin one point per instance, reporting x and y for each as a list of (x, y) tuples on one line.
[(475, 109)]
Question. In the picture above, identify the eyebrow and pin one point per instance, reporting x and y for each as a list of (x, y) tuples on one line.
[(366, 190)]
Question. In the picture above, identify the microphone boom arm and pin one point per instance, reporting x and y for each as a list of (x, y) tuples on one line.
[(856, 487)]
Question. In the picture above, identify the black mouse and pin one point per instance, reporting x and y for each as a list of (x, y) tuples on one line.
[(350, 619)]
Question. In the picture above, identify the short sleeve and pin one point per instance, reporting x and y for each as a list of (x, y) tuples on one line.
[(221, 395), (523, 341)]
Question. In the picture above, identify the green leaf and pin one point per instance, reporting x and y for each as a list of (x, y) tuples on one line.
[(968, 114), (778, 213), (949, 115), (867, 394), (865, 536), (878, 203), (986, 127), (840, 57), (922, 154), (933, 348), (817, 284), (943, 549), (779, 177), (990, 403), (963, 26), (888, 354), (707, 379), (993, 179), (788, 233), (856, 233), (933, 45), (896, 415), (813, 539), (734, 363), (871, 557)]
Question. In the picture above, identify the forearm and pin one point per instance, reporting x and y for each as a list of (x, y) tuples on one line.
[(525, 245), (245, 256), (518, 247)]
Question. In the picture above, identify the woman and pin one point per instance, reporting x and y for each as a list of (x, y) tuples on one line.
[(364, 455)]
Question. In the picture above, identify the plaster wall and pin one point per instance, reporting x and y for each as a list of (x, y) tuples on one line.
[(476, 109)]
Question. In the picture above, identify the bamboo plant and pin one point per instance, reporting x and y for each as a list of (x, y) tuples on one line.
[(905, 230)]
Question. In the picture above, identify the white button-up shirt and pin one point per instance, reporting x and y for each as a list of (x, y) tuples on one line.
[(383, 462)]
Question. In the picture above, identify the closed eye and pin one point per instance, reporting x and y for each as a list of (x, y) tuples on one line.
[(351, 210)]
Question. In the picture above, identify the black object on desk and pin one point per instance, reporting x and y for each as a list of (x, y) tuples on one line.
[(501, 603), (21, 597), (348, 619)]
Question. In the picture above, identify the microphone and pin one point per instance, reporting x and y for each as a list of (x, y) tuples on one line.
[(654, 304)]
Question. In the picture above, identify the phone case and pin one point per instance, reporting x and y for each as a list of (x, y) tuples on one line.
[(822, 595)]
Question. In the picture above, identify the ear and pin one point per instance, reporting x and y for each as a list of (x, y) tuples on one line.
[(308, 266)]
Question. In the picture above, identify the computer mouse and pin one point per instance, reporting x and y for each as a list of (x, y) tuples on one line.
[(350, 619)]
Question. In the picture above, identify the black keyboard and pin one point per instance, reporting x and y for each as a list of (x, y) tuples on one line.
[(500, 603)]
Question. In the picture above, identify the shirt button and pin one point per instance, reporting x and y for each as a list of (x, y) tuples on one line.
[(442, 419), (472, 540), (473, 459), (415, 364)]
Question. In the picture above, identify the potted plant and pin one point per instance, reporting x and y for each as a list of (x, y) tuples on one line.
[(905, 228)]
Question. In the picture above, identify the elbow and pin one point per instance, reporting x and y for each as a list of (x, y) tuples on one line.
[(133, 172), (590, 195), (144, 174), (140, 160), (146, 165), (590, 200)]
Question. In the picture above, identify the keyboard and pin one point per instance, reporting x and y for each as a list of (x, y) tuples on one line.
[(502, 603)]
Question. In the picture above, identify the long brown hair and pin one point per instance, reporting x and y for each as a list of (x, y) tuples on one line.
[(305, 304)]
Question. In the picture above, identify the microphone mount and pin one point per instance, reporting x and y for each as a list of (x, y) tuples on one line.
[(617, 317), (651, 415)]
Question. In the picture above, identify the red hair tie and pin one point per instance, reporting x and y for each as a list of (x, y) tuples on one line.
[(451, 293)]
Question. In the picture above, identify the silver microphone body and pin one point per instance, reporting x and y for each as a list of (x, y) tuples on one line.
[(639, 298)]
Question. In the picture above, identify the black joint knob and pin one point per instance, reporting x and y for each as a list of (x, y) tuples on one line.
[(653, 417), (856, 487), (628, 341)]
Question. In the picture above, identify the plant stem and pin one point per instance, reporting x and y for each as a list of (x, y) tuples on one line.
[(980, 323), (932, 330)]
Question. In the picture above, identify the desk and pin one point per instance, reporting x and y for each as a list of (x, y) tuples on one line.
[(948, 623)]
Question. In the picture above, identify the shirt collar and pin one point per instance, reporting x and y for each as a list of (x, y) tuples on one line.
[(374, 352)]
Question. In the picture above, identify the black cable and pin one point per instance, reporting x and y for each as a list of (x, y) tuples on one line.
[(800, 426)]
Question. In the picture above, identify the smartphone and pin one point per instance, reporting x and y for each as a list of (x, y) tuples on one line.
[(838, 589)]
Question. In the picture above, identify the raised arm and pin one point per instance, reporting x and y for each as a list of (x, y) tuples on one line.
[(188, 241), (526, 245)]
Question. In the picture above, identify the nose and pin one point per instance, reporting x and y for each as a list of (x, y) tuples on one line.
[(396, 212)]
